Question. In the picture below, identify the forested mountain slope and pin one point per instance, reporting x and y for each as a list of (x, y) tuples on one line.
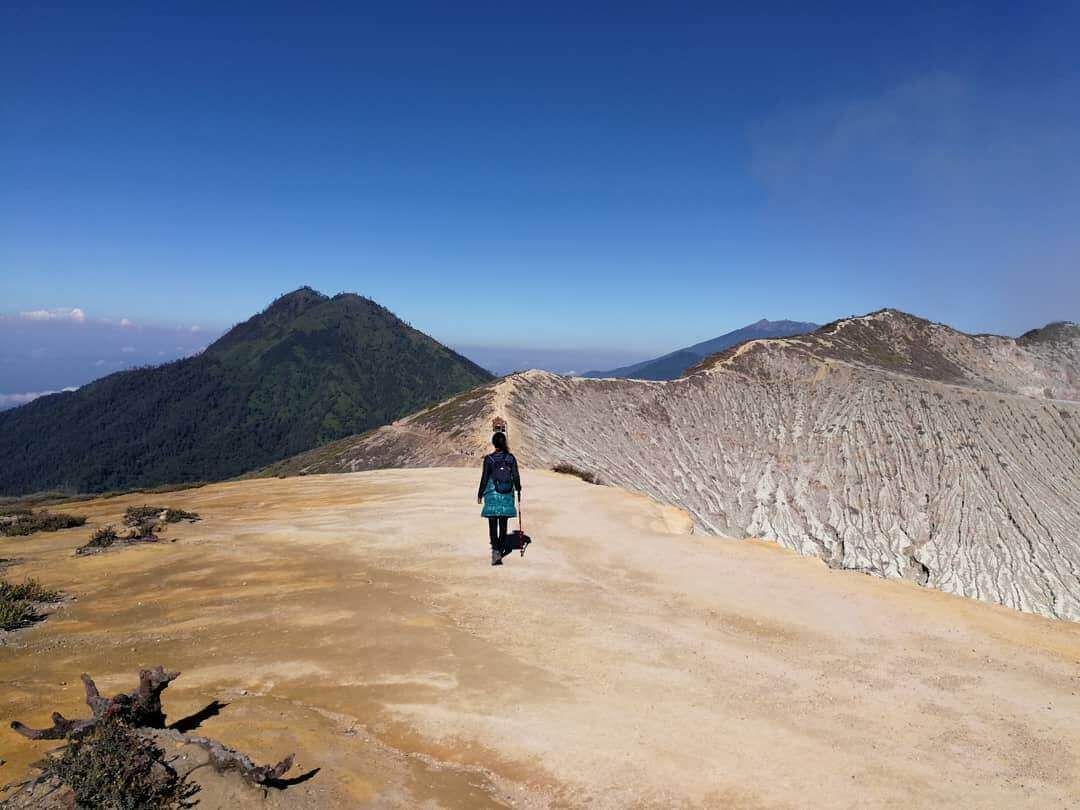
[(306, 370)]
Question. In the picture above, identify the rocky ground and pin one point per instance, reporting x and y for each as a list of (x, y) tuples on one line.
[(623, 662)]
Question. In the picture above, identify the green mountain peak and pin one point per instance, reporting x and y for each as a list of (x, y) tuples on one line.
[(306, 370)]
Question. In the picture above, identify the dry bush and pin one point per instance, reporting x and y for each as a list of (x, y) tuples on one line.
[(117, 768)]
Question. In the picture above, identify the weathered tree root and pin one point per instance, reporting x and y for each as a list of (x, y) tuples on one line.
[(141, 709), (138, 709), (62, 728), (224, 759)]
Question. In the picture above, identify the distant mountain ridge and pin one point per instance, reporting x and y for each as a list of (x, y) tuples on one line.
[(306, 370), (673, 365)]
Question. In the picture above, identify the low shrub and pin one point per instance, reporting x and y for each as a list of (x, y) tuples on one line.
[(569, 469), (16, 613), (24, 522), (18, 602), (107, 536), (117, 768), (143, 525), (176, 515), (30, 590), (136, 515), (102, 538)]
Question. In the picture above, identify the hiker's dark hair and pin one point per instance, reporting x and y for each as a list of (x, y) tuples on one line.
[(499, 440)]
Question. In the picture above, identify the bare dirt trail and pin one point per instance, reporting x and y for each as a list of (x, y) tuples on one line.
[(622, 663), (882, 443)]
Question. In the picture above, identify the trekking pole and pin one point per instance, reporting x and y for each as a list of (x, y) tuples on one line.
[(521, 525)]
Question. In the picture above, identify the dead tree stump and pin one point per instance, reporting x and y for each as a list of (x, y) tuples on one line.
[(141, 709)]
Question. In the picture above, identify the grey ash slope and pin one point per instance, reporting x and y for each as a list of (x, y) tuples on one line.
[(675, 364), (884, 443)]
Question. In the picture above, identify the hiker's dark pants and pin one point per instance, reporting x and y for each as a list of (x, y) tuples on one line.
[(497, 531)]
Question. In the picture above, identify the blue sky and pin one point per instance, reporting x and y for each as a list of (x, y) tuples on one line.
[(628, 178)]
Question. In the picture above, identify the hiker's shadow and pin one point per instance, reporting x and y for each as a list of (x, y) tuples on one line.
[(193, 721)]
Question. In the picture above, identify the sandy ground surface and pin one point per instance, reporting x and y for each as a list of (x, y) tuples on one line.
[(623, 662)]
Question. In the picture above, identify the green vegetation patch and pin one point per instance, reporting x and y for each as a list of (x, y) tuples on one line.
[(19, 602), (29, 589), (24, 522), (16, 613)]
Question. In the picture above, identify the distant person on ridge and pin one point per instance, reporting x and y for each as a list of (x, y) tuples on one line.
[(498, 481)]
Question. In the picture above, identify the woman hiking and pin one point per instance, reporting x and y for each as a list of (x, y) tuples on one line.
[(498, 481)]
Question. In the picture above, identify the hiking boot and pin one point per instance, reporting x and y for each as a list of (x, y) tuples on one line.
[(496, 557)]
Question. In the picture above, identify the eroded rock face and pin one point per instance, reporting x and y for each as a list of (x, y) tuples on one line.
[(885, 444)]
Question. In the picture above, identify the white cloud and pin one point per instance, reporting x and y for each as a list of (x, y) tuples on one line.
[(127, 349), (15, 400), (196, 328), (126, 322), (59, 314), (99, 363)]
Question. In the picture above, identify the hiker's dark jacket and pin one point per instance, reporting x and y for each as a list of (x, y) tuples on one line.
[(490, 463)]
